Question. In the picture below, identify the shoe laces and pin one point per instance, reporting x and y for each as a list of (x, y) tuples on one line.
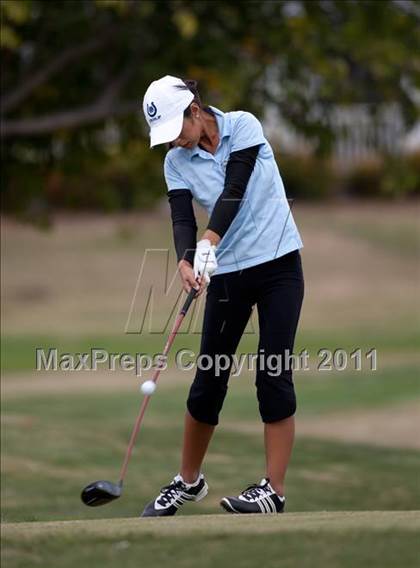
[(255, 490), (170, 491)]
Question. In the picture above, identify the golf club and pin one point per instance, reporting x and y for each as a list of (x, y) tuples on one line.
[(102, 492)]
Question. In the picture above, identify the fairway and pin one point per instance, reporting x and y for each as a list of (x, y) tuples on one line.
[(380, 538), (353, 493), (339, 521)]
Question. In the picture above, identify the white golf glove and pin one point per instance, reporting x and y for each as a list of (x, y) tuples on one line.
[(205, 262)]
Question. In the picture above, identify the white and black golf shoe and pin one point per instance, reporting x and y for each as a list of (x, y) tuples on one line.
[(256, 498), (172, 496)]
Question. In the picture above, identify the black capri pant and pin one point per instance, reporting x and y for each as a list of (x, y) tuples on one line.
[(277, 288)]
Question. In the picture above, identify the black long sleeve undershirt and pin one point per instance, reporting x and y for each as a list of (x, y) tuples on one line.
[(184, 224), (238, 171)]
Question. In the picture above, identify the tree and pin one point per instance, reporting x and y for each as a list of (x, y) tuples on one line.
[(73, 68)]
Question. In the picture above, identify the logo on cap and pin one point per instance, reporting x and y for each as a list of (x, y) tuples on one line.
[(151, 110)]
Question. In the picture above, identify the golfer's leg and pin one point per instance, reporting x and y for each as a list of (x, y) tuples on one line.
[(279, 310), (278, 438), (197, 436), (226, 314)]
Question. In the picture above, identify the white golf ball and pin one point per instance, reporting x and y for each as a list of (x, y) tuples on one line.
[(148, 387)]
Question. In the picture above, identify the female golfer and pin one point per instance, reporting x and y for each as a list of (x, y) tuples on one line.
[(248, 255)]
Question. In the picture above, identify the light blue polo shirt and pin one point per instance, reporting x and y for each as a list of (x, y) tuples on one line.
[(264, 228)]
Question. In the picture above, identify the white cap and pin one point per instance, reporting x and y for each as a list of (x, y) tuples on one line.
[(163, 105)]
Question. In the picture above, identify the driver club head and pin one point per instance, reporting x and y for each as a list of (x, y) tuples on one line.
[(100, 493)]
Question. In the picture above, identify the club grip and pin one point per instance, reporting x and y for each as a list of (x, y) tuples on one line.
[(192, 294)]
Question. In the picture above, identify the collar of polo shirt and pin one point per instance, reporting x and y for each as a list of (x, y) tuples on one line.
[(224, 125)]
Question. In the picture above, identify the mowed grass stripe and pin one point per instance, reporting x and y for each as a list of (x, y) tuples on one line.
[(337, 521)]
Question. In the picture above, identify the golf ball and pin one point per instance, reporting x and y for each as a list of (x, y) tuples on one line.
[(148, 387)]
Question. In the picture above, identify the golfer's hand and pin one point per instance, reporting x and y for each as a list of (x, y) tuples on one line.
[(188, 279), (205, 262)]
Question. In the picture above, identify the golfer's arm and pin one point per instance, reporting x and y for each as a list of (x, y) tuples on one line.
[(184, 225), (238, 171)]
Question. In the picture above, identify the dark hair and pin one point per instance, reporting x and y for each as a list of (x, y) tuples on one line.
[(192, 85)]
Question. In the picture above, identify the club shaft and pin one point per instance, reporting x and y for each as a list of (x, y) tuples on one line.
[(155, 377)]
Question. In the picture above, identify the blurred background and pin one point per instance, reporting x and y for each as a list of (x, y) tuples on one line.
[(336, 86), (335, 83)]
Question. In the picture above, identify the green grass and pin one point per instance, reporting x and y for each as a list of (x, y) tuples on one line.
[(18, 351), (55, 444), (318, 393), (374, 539), (391, 228), (369, 389), (403, 239)]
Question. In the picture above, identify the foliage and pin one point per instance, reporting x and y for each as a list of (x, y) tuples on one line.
[(365, 179), (72, 70), (387, 176), (383, 176), (401, 176), (306, 177)]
